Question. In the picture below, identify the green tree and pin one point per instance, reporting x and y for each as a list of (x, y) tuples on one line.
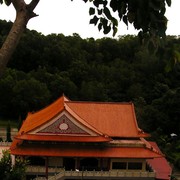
[(31, 94), (24, 12), (29, 53), (146, 16), (94, 91), (60, 84), (9, 171), (5, 165), (8, 133), (7, 83)]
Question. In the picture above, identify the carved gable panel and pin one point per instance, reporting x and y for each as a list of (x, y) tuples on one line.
[(63, 126)]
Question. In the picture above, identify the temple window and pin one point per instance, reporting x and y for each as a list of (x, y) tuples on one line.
[(134, 165), (126, 165), (119, 165), (89, 164)]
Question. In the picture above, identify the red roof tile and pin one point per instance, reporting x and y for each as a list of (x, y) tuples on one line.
[(37, 119), (160, 165), (84, 151), (63, 138), (112, 119)]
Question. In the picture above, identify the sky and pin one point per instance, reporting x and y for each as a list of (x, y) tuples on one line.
[(68, 17)]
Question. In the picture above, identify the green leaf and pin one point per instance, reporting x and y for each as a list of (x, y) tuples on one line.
[(155, 5), (163, 10), (123, 8), (140, 35), (94, 20), (120, 15), (99, 11), (114, 21), (100, 26), (168, 2), (107, 29), (131, 17), (176, 56), (91, 11), (115, 29), (8, 2), (105, 3), (169, 65), (97, 2), (125, 20), (151, 46), (104, 22), (114, 5), (107, 13)]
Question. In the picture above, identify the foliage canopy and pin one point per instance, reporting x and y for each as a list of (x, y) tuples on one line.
[(9, 171), (146, 16)]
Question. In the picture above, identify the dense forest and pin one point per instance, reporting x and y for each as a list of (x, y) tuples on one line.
[(118, 70)]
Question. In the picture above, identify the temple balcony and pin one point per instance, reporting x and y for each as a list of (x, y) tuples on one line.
[(62, 174)]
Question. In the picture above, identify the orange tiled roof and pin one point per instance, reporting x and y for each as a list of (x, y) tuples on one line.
[(112, 119), (160, 166), (63, 138), (84, 151), (37, 119), (105, 120)]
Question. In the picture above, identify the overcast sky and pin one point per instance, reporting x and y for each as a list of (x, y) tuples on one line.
[(66, 17)]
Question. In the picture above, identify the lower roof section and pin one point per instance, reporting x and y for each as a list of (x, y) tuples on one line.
[(71, 150), (63, 138), (161, 166)]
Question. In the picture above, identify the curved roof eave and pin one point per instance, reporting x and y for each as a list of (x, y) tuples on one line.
[(34, 120)]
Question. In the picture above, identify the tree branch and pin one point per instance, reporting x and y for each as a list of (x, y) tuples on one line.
[(31, 6)]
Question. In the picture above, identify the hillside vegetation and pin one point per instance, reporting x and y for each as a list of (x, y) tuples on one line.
[(44, 67)]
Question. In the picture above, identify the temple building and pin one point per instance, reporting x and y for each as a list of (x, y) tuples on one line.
[(88, 140)]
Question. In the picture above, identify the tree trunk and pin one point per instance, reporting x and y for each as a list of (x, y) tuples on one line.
[(24, 12)]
